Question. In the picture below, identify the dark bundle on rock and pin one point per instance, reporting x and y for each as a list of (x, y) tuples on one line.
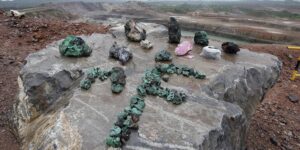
[(163, 56), (120, 53), (118, 79), (201, 38), (230, 48), (174, 31), (74, 46), (134, 32)]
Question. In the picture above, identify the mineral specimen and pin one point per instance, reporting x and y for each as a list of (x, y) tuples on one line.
[(118, 79), (211, 52), (201, 38), (74, 46), (151, 85), (114, 137), (183, 48), (134, 32), (120, 53), (86, 84), (230, 48), (163, 56), (174, 31), (146, 44)]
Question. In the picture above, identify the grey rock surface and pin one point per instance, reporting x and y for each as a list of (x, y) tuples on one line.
[(54, 113)]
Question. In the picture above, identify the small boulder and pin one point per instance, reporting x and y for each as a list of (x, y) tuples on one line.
[(74, 46), (146, 44), (211, 52), (293, 98), (230, 48), (122, 54), (118, 79), (174, 31), (163, 56), (183, 48), (201, 38), (134, 32)]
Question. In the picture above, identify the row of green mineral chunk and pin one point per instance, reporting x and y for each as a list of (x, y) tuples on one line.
[(151, 85), (116, 75)]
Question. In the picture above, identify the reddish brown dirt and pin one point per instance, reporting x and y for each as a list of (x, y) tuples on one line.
[(18, 38), (276, 123)]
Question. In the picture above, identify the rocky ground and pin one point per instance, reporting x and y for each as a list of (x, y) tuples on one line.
[(18, 38), (275, 125)]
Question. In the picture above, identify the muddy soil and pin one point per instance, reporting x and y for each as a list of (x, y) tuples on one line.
[(18, 38)]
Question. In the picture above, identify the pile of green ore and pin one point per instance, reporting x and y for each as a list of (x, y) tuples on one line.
[(201, 38), (151, 85), (74, 46), (116, 75)]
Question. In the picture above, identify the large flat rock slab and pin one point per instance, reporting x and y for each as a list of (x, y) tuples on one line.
[(54, 113)]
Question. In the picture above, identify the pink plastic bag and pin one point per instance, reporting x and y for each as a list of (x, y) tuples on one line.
[(183, 48)]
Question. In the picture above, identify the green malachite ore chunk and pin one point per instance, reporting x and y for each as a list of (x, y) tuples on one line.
[(201, 38), (86, 84), (163, 56), (135, 111), (199, 75), (127, 123), (115, 131), (103, 75), (74, 46), (117, 88), (113, 142), (141, 90), (151, 85), (118, 79), (92, 74)]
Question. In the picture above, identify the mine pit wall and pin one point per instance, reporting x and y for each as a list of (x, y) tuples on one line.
[(250, 36)]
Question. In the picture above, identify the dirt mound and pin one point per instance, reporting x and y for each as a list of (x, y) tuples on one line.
[(276, 123), (18, 38)]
